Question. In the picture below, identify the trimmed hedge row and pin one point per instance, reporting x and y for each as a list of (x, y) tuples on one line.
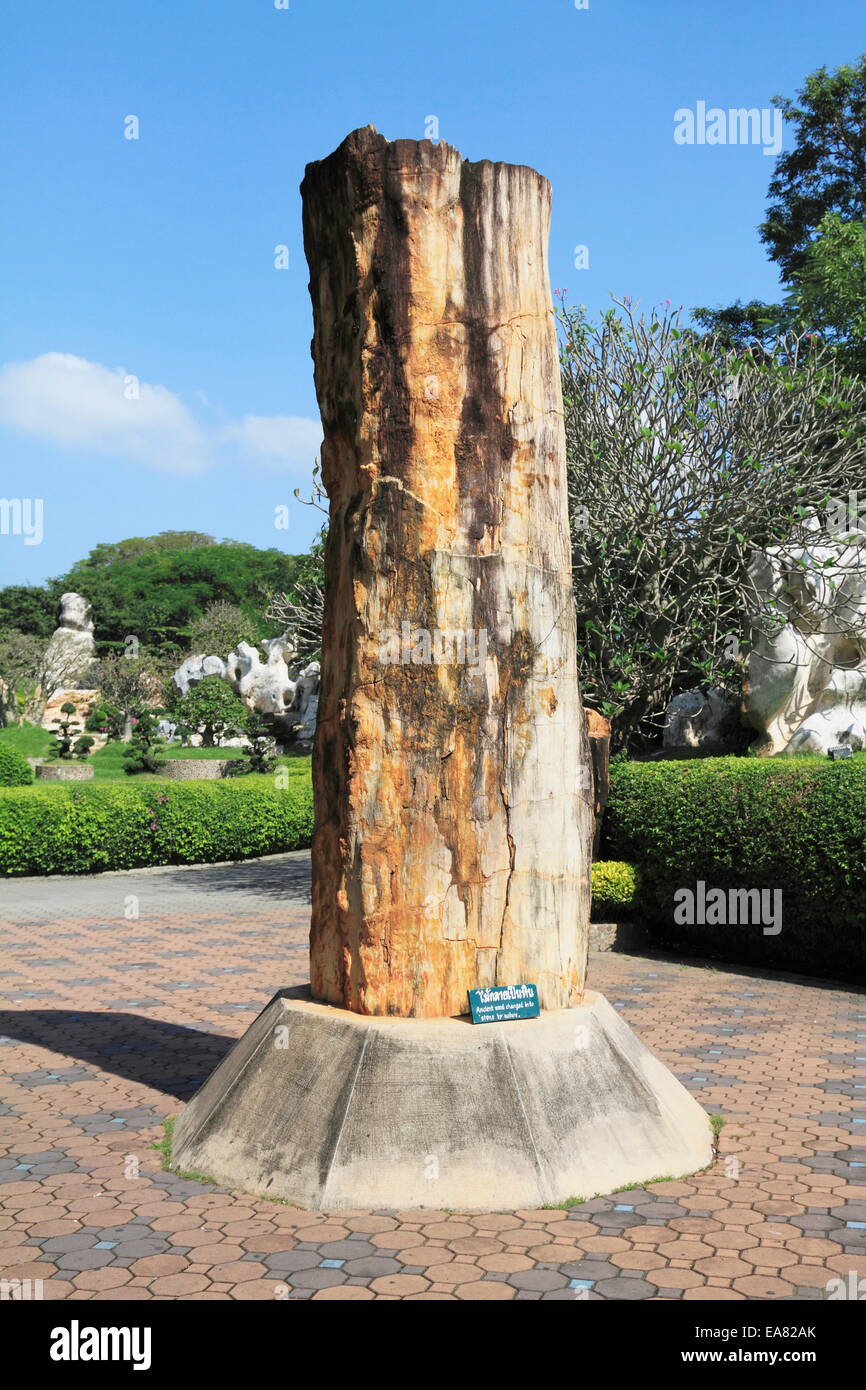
[(793, 825), (95, 827)]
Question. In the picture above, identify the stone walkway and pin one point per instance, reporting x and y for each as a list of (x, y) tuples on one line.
[(122, 992)]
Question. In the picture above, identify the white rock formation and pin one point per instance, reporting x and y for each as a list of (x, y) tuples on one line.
[(807, 668), (70, 654), (195, 668), (265, 686), (305, 705), (695, 719)]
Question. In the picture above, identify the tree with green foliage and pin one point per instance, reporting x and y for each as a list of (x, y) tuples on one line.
[(746, 326), (129, 684), (158, 595), (210, 708), (30, 608), (146, 746), (15, 771), (685, 458), (21, 658), (109, 554), (813, 228), (825, 171), (107, 720), (157, 591), (220, 628), (830, 289), (259, 750)]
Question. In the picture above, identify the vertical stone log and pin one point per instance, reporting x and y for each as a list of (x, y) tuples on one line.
[(451, 767)]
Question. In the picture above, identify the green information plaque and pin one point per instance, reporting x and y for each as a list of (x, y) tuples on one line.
[(503, 1003)]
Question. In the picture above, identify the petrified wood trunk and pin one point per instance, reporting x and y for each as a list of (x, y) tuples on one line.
[(451, 767)]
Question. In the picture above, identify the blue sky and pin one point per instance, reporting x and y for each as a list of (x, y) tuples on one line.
[(153, 259)]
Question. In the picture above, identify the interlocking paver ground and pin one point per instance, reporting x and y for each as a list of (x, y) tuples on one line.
[(121, 992)]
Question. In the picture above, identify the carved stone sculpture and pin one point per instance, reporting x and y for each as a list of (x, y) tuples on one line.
[(807, 667), (194, 669)]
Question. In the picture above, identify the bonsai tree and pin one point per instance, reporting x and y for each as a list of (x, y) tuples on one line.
[(146, 746), (82, 746), (106, 719), (211, 709), (66, 731), (259, 750)]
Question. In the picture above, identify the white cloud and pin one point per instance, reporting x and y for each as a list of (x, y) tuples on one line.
[(83, 405), (77, 404), (285, 441)]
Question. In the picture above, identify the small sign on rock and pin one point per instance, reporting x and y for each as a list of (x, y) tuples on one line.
[(840, 750), (503, 1003)]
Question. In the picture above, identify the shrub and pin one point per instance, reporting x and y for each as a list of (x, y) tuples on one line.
[(15, 771), (614, 886), (210, 708), (259, 747), (106, 719), (146, 745), (793, 825), (76, 829)]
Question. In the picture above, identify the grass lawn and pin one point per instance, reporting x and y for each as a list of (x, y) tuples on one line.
[(27, 739), (108, 765)]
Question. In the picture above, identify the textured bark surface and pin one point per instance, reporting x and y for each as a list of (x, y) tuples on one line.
[(453, 798)]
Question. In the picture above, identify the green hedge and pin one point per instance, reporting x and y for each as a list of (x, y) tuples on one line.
[(796, 825), (86, 829), (15, 771)]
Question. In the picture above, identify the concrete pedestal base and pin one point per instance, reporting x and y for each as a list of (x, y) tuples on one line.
[(330, 1109)]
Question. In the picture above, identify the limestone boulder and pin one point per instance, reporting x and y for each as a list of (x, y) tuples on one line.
[(265, 686), (195, 668)]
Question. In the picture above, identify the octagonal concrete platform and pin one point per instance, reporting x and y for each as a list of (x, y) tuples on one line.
[(334, 1110)]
